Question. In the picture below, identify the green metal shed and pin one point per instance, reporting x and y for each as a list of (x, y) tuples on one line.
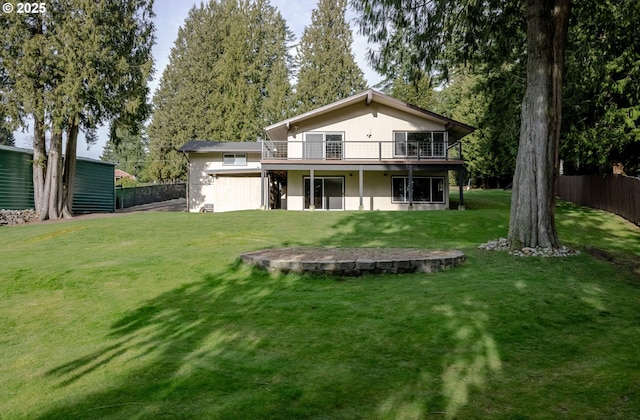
[(94, 182), (16, 178)]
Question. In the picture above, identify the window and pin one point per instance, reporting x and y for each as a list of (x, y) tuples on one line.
[(425, 189), (234, 159), (419, 144), (320, 145)]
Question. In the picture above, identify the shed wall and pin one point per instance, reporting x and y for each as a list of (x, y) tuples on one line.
[(94, 183), (16, 179)]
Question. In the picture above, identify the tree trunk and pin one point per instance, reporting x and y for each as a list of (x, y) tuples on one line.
[(52, 186), (532, 220), (39, 168), (69, 168)]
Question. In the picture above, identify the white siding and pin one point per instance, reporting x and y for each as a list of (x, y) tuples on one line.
[(226, 191), (361, 123)]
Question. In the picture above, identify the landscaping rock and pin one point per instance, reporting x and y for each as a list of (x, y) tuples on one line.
[(17, 217), (502, 244)]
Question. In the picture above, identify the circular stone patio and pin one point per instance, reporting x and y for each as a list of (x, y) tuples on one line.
[(353, 261)]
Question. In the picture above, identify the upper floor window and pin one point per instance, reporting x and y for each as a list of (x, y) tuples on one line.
[(419, 144), (323, 145), (234, 159)]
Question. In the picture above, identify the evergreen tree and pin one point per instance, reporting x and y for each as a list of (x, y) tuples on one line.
[(416, 89), (327, 68), (76, 65), (128, 151), (602, 106), (227, 78), (6, 135), (441, 33)]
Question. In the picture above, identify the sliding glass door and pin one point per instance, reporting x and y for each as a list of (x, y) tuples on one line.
[(328, 193)]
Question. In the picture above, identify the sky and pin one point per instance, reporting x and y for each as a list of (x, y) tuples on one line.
[(170, 15)]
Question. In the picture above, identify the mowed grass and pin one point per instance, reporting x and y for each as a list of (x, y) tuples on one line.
[(151, 316)]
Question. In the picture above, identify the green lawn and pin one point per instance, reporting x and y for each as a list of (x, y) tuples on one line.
[(151, 316)]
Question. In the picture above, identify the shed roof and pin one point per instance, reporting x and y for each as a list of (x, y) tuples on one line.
[(30, 152)]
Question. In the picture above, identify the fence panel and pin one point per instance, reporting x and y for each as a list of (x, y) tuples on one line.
[(617, 194), (135, 196)]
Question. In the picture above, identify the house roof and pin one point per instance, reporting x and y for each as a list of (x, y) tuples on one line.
[(119, 173), (456, 129), (203, 146)]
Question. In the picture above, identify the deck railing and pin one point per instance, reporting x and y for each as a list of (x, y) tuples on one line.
[(360, 150)]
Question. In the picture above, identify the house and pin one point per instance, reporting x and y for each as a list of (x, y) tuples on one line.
[(120, 174), (365, 152)]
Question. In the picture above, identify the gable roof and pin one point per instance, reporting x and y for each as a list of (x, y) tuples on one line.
[(203, 146), (456, 129)]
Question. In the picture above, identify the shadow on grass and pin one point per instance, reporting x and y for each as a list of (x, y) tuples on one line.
[(248, 344), (602, 233)]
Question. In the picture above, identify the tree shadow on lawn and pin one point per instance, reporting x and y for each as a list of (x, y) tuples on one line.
[(246, 344), (600, 234)]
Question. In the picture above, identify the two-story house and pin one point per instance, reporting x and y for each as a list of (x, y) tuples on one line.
[(365, 152)]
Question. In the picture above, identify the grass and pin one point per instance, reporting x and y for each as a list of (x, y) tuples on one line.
[(151, 315)]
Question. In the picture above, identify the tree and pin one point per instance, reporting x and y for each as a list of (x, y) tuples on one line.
[(6, 134), (602, 106), (45, 82), (440, 34), (128, 151), (227, 78), (327, 68), (415, 89)]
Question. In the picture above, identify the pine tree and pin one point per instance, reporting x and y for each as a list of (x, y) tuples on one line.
[(327, 68), (227, 78)]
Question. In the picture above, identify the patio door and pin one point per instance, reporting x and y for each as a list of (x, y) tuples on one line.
[(328, 193), (323, 145)]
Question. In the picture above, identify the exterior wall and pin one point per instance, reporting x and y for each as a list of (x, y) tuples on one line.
[(16, 179), (377, 190), (94, 190), (226, 191), (94, 183), (361, 123)]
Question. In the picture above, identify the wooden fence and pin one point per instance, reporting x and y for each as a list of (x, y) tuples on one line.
[(617, 194)]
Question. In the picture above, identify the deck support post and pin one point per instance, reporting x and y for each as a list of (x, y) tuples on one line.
[(361, 187), (410, 187), (262, 189), (312, 198), (461, 186)]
